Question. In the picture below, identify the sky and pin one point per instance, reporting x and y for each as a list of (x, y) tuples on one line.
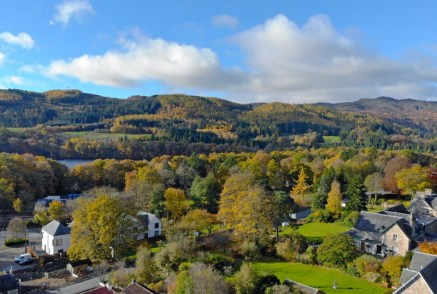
[(291, 51)]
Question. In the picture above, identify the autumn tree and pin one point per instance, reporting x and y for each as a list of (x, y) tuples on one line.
[(201, 278), (246, 279), (356, 192), (7, 193), (16, 228), (392, 167), (413, 179), (428, 247), (144, 184), (145, 268), (374, 183), (334, 199), (392, 266), (198, 220), (18, 205), (56, 210), (244, 207), (175, 202), (101, 223), (300, 189)]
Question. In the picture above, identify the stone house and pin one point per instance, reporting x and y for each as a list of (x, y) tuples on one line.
[(56, 238), (381, 234), (421, 275)]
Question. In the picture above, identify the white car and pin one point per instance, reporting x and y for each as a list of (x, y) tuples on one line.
[(22, 257)]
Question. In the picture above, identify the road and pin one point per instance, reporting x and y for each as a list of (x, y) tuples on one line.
[(7, 254)]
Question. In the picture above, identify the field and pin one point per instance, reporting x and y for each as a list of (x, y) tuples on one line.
[(331, 139), (315, 231), (318, 277)]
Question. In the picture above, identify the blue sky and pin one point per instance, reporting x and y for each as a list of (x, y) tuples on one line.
[(246, 51)]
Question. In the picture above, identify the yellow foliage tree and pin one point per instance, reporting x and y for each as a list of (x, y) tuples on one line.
[(175, 202), (18, 205), (413, 179), (334, 199), (300, 188)]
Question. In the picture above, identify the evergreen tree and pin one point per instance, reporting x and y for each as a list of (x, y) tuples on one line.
[(356, 192)]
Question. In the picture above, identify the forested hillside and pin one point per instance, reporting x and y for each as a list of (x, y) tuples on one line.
[(73, 124)]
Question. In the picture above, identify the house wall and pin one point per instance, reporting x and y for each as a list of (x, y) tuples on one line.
[(401, 245), (418, 286), (48, 243), (151, 230)]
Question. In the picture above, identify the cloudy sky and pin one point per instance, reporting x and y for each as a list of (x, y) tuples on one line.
[(243, 50)]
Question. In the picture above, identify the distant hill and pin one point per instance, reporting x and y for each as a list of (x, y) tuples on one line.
[(382, 122)]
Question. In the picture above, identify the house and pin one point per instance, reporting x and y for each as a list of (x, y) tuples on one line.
[(421, 275), (9, 284), (137, 288), (382, 234), (61, 198), (300, 214), (56, 237), (152, 223), (424, 205), (302, 288)]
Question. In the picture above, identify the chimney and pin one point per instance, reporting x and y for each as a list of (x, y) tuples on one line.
[(413, 224)]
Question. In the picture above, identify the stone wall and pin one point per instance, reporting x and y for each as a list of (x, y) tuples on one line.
[(400, 245)]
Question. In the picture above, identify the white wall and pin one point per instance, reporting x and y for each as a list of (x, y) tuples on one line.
[(151, 230), (48, 243)]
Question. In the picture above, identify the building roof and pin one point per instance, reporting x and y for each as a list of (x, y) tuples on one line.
[(421, 260), (55, 228), (398, 208), (302, 287), (405, 216), (423, 266), (136, 288), (101, 290), (147, 217), (429, 274), (7, 283), (375, 222)]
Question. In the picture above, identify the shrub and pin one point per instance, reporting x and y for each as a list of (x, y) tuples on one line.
[(15, 241), (337, 250), (367, 264), (249, 250), (322, 215), (393, 266), (351, 219)]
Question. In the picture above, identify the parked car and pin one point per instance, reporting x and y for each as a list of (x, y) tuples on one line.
[(26, 260), (21, 257), (9, 268)]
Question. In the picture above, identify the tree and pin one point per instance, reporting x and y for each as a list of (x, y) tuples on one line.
[(198, 220), (300, 189), (18, 205), (205, 279), (175, 202), (337, 250), (7, 193), (428, 247), (334, 199), (392, 266), (142, 183), (16, 228), (413, 179), (56, 210), (374, 183), (356, 192), (99, 224), (145, 267), (326, 179), (244, 207), (205, 193), (246, 279), (282, 205), (292, 245), (392, 167)]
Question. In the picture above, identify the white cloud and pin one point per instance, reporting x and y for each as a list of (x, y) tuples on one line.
[(316, 63), (2, 58), (284, 61), (225, 20), (9, 80), (22, 39), (173, 64), (71, 9)]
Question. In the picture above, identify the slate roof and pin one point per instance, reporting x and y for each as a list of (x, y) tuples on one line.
[(302, 287), (375, 222), (55, 228), (136, 288), (422, 265), (146, 217), (8, 283), (432, 201), (398, 208), (405, 216)]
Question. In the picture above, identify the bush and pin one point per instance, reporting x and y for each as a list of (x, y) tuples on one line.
[(337, 250), (249, 250), (322, 215), (367, 264), (15, 241)]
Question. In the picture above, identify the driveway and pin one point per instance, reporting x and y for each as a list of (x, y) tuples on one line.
[(7, 254)]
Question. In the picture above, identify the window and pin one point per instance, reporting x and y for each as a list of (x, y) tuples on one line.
[(156, 233), (57, 242), (395, 237), (156, 225)]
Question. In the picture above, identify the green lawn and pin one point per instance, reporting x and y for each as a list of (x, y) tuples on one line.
[(318, 277), (315, 231)]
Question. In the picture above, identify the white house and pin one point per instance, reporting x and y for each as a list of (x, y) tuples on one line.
[(152, 224), (55, 237)]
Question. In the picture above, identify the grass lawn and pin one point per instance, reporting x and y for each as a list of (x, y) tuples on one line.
[(318, 277), (315, 231)]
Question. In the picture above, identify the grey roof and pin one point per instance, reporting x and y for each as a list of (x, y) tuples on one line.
[(398, 208), (55, 228), (8, 283), (146, 217), (421, 260), (429, 274), (302, 287), (407, 275), (432, 201), (375, 222), (405, 216), (425, 219)]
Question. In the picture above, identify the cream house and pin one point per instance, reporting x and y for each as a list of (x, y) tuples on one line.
[(55, 237)]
